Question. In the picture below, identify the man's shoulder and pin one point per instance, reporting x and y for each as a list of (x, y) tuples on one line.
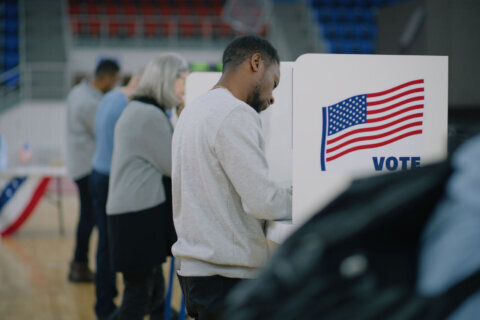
[(219, 102), (81, 96)]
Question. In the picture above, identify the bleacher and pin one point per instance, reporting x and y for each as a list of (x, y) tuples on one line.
[(9, 43), (149, 19), (348, 26)]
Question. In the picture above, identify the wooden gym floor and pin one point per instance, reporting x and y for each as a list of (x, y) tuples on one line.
[(34, 265)]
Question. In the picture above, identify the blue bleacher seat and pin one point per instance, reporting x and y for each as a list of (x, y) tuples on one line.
[(347, 46), (11, 25), (345, 3), (11, 41), (365, 46), (10, 60), (11, 9), (13, 80)]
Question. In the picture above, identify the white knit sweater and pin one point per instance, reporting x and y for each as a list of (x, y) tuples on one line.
[(222, 193)]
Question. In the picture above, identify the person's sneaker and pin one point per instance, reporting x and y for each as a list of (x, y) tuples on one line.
[(79, 272)]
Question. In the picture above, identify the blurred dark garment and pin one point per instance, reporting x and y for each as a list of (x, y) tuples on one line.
[(357, 258), (450, 245), (205, 296)]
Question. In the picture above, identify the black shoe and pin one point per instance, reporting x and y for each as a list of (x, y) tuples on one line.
[(111, 316), (79, 272)]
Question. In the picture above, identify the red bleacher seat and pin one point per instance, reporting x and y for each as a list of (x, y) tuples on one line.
[(130, 28), (151, 28), (217, 10), (114, 28), (165, 10), (188, 28), (74, 9), (216, 2), (184, 10), (111, 9), (206, 28), (129, 10), (93, 9), (167, 28), (94, 28), (77, 27), (202, 11), (222, 30), (225, 30), (148, 10)]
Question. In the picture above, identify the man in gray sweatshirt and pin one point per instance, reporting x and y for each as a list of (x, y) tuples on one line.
[(222, 193), (82, 104)]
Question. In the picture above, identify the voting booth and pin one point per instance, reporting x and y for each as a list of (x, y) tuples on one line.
[(341, 117)]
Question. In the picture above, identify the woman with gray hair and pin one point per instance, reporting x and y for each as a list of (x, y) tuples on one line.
[(139, 207)]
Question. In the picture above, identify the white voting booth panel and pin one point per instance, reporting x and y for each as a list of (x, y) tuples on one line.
[(357, 115)]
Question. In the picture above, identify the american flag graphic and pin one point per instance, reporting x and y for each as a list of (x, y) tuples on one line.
[(372, 120)]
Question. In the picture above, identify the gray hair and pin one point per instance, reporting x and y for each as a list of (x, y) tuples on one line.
[(158, 80)]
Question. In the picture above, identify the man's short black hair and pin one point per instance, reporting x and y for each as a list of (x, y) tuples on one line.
[(106, 67), (244, 47)]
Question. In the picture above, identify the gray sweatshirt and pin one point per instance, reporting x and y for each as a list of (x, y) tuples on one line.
[(82, 104), (222, 193), (142, 155)]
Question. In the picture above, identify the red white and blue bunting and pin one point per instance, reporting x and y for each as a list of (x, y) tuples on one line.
[(18, 198)]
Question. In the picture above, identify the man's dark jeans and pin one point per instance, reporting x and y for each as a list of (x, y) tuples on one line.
[(86, 221), (105, 281), (205, 296), (144, 294)]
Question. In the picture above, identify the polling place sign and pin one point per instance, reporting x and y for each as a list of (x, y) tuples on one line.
[(357, 115)]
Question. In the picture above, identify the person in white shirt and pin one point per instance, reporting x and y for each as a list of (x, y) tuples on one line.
[(222, 193)]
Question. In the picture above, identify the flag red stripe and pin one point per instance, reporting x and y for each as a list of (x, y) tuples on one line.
[(376, 145), (403, 94), (416, 115), (411, 83), (37, 195), (393, 106), (382, 135), (417, 107)]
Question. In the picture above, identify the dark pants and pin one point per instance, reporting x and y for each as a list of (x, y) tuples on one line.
[(86, 221), (205, 296), (105, 281), (144, 294)]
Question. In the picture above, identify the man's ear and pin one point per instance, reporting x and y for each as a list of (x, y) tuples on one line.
[(255, 62)]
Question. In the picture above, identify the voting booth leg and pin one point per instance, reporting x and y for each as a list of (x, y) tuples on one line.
[(182, 314), (60, 206), (168, 298)]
